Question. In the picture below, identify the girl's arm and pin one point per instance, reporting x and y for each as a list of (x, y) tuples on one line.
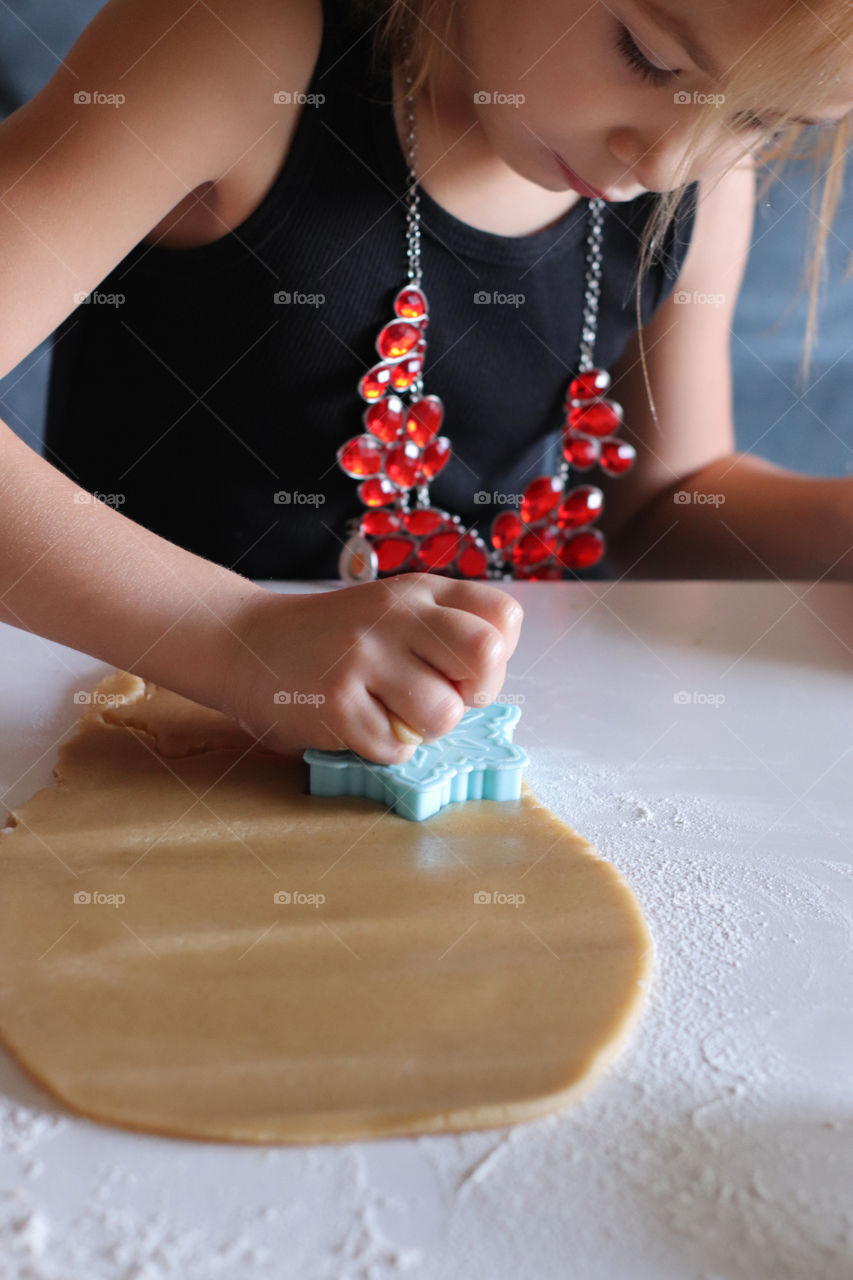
[(81, 184), (744, 517), (419, 646), (75, 570), (692, 507)]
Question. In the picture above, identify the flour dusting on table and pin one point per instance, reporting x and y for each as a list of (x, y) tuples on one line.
[(689, 1131), (687, 1141)]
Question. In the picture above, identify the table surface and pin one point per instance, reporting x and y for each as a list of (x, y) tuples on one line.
[(699, 734)]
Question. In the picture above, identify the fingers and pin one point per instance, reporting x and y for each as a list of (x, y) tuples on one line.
[(417, 694), (405, 657), (369, 732), (465, 650), (466, 631), (489, 603), (386, 722)]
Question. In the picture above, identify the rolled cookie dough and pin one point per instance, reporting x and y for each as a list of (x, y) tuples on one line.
[(190, 944)]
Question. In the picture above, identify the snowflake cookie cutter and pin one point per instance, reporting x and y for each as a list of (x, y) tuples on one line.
[(475, 761)]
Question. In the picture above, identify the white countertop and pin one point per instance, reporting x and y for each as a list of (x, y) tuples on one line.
[(718, 1146)]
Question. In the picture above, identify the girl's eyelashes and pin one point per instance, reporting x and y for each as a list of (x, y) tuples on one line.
[(745, 120), (636, 60)]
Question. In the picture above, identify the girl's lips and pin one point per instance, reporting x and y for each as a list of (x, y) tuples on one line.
[(576, 181)]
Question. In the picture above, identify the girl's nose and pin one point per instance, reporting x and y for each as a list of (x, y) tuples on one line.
[(653, 154), (649, 154)]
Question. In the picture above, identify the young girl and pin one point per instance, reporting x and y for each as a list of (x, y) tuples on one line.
[(225, 184)]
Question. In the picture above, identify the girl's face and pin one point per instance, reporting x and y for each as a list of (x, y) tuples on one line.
[(587, 93)]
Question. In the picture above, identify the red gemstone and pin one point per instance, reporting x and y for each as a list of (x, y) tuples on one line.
[(617, 457), (360, 456), (424, 419), (410, 303), (579, 451), (423, 520), (379, 521), (435, 458), (385, 418), (540, 497), (589, 385), (596, 419), (534, 546), (506, 528), (438, 550), (402, 464), (473, 559), (581, 550), (377, 492), (397, 339), (404, 373), (375, 382), (392, 553), (580, 506)]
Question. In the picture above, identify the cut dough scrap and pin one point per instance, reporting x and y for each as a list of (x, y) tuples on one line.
[(381, 998)]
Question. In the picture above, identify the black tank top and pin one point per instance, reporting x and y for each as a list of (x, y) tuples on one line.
[(200, 398)]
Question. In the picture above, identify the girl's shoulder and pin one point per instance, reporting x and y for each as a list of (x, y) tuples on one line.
[(261, 55), (274, 52), (160, 105)]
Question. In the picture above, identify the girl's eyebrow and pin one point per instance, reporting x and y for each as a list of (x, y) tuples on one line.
[(674, 24)]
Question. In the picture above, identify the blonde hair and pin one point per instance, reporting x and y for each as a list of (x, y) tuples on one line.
[(795, 59)]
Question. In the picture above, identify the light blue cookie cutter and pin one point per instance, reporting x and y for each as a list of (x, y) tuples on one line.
[(475, 761)]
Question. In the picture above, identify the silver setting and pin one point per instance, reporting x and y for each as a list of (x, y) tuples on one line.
[(357, 548), (358, 561)]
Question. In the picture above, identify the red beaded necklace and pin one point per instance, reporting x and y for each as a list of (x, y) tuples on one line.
[(401, 451)]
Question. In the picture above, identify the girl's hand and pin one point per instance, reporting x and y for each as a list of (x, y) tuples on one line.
[(325, 670)]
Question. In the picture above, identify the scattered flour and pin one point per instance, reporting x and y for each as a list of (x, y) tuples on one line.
[(23, 1127), (120, 1244), (698, 1156), (366, 1253), (697, 1143)]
